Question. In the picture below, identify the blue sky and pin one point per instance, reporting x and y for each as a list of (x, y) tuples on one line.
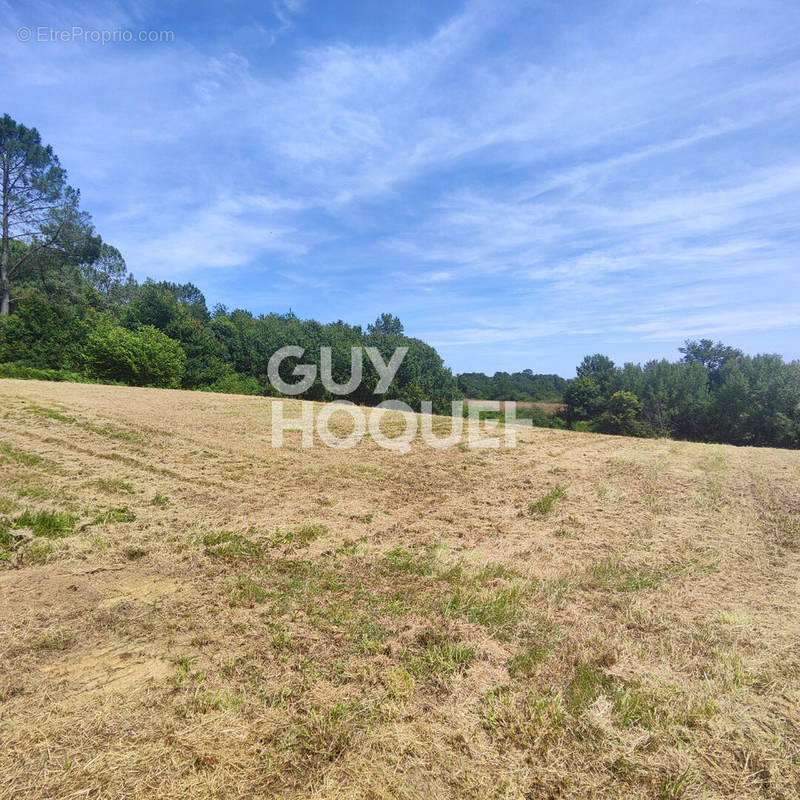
[(521, 182)]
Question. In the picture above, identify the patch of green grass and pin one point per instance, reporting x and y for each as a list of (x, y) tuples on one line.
[(49, 413), (587, 685), (246, 592), (399, 683), (634, 708), (300, 535), (673, 788), (204, 702), (540, 638), (107, 429), (305, 534), (524, 662), (8, 543), (433, 654), (34, 492), (50, 524), (604, 572), (160, 500), (611, 574), (114, 486), (230, 545), (544, 505), (639, 580), (114, 516), (401, 560), (29, 459), (498, 611), (7, 505), (494, 571), (365, 518), (368, 637), (112, 431)]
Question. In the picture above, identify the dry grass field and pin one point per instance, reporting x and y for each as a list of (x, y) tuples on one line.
[(186, 612), (548, 408)]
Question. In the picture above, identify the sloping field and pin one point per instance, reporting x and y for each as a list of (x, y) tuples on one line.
[(186, 612)]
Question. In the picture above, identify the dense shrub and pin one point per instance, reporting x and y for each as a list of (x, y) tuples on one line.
[(143, 357)]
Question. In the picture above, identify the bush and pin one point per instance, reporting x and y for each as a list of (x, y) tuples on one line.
[(143, 357), (233, 383), (42, 335)]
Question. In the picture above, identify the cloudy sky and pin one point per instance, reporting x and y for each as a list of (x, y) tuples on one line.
[(521, 182)]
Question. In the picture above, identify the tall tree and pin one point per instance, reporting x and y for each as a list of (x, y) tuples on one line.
[(108, 275), (37, 203)]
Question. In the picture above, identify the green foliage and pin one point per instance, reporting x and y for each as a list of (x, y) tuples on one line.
[(144, 357), (520, 386), (584, 400), (714, 394), (621, 414), (230, 545), (601, 370), (233, 383), (43, 335), (179, 311), (40, 217)]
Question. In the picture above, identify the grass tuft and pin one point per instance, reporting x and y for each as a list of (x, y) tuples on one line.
[(50, 524), (544, 505), (434, 654), (114, 516)]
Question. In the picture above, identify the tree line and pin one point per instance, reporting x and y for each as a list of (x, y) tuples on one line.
[(714, 393), (70, 308), (521, 386)]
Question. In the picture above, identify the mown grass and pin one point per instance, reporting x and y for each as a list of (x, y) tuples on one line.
[(410, 653), (20, 456), (115, 516), (544, 505), (109, 430), (230, 545)]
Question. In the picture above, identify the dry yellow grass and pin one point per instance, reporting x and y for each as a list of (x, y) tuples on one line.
[(581, 616)]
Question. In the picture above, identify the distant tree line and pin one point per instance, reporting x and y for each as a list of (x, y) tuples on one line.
[(715, 393), (520, 386)]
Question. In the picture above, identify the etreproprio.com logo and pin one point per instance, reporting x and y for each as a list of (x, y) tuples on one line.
[(313, 419)]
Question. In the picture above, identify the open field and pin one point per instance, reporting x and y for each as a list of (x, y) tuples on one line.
[(548, 408), (187, 613)]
